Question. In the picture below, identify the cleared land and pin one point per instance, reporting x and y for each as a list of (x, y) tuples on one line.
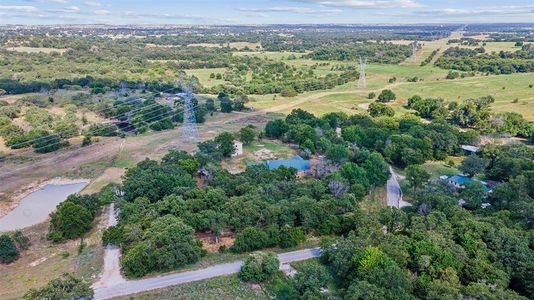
[(36, 49)]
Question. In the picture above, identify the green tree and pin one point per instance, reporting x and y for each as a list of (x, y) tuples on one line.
[(276, 128), (69, 221), (225, 143), (472, 165), (310, 279), (8, 249), (259, 267), (337, 153), (417, 177), (386, 96), (247, 134), (291, 236), (377, 109), (65, 287)]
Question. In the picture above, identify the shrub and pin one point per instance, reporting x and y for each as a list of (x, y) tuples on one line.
[(69, 221), (8, 249), (291, 236), (250, 239), (65, 287), (386, 96), (112, 236), (259, 267)]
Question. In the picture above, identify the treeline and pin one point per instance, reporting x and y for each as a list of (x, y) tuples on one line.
[(374, 52), (468, 60), (429, 58)]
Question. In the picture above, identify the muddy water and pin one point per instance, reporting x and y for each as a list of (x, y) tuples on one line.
[(35, 207)]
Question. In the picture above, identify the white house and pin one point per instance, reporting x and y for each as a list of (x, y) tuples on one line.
[(238, 148)]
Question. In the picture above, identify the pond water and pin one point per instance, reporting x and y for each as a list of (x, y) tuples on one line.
[(35, 207)]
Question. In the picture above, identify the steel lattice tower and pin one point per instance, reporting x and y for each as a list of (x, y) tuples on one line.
[(362, 83), (190, 132)]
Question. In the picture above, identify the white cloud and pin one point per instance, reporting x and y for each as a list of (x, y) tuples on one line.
[(489, 11), (69, 10), (366, 3), (19, 9), (102, 12), (51, 1), (92, 3)]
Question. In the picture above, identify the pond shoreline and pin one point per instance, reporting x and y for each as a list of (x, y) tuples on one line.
[(7, 207)]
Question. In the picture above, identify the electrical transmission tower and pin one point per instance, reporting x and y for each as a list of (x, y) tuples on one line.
[(362, 83), (190, 132)]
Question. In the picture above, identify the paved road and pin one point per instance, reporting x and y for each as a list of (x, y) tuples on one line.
[(395, 192), (137, 286)]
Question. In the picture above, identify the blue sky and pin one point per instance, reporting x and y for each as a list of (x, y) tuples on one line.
[(263, 11)]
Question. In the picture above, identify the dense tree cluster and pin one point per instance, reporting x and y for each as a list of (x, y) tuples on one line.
[(74, 216), (471, 113), (468, 60), (374, 52)]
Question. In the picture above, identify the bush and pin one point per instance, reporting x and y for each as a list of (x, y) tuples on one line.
[(8, 249), (65, 287), (69, 221), (386, 96), (259, 267), (250, 239), (377, 109), (291, 236), (112, 236)]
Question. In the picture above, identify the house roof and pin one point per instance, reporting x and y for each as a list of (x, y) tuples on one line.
[(463, 180), (470, 148), (296, 162)]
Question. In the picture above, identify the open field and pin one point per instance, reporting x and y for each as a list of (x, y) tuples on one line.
[(348, 97), (204, 76), (45, 260), (36, 50)]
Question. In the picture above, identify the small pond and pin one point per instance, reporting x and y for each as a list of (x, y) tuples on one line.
[(35, 207)]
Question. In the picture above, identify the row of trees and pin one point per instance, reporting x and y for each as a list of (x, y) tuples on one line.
[(468, 60)]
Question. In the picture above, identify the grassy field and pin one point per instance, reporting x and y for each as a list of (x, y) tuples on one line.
[(204, 76), (45, 260), (227, 287)]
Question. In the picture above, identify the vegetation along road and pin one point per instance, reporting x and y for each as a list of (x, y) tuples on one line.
[(137, 286)]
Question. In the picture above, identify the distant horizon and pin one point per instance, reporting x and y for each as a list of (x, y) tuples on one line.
[(243, 12), (267, 24)]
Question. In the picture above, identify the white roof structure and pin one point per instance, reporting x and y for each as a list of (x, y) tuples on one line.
[(470, 148)]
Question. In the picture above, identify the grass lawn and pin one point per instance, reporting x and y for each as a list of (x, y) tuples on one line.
[(204, 76), (227, 287), (439, 168)]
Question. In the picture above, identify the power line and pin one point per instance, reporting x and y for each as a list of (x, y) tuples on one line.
[(52, 158), (51, 136)]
